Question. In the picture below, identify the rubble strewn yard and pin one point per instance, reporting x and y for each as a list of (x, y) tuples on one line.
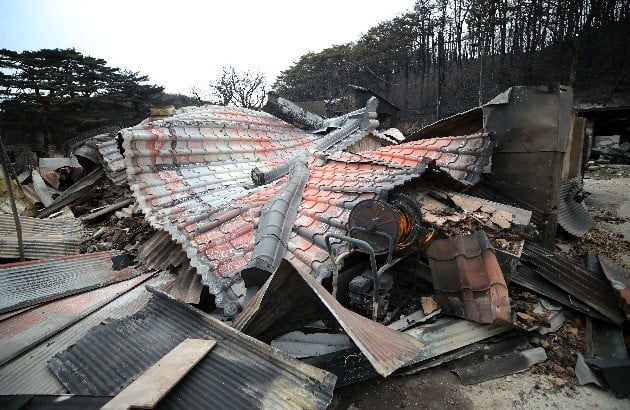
[(280, 259)]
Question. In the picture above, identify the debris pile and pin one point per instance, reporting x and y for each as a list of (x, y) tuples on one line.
[(266, 260)]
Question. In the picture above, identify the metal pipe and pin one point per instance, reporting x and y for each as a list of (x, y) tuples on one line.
[(375, 272), (390, 251), (16, 217), (336, 262)]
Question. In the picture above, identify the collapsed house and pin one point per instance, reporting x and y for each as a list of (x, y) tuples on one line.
[(305, 258)]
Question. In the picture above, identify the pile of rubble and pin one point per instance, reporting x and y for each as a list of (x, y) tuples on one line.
[(237, 258)]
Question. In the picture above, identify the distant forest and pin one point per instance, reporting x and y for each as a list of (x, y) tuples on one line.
[(446, 56), (49, 96)]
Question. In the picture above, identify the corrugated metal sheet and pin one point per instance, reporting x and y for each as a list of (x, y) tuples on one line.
[(303, 299), (89, 148), (467, 279), (160, 252), (619, 277), (65, 402), (573, 215), (20, 332), (591, 288), (29, 374), (43, 238), (29, 283), (192, 176), (465, 122), (528, 277), (239, 372), (112, 161), (495, 367), (440, 338), (604, 341)]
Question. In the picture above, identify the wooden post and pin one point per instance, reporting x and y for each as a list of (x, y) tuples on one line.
[(5, 169)]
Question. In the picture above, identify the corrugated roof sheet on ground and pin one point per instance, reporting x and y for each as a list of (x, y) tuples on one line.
[(589, 287), (239, 372), (29, 283), (42, 238), (467, 279), (505, 365), (29, 374), (441, 337), (20, 332), (527, 276), (573, 215)]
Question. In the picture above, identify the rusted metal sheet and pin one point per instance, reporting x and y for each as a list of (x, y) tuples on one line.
[(239, 372), (112, 161), (160, 252), (21, 332), (619, 277), (572, 214), (466, 122), (304, 299), (467, 279), (28, 373), (43, 238), (77, 192), (48, 168), (29, 283), (532, 126), (589, 287)]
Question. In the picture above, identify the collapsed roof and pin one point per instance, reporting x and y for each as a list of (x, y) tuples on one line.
[(242, 190)]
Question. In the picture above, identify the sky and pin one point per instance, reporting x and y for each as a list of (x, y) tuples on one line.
[(183, 43)]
